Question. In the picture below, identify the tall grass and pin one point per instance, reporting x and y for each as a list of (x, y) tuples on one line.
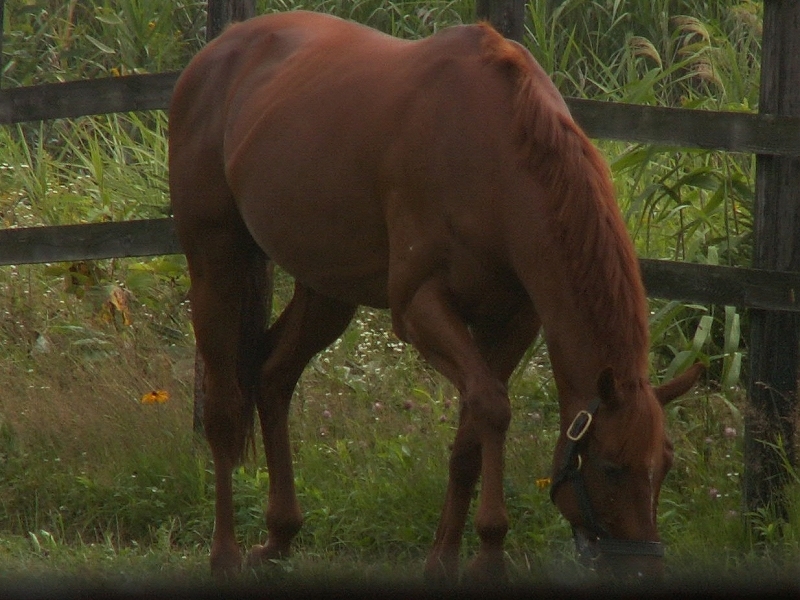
[(94, 481), (49, 40)]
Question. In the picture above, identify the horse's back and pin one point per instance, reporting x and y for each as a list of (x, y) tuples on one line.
[(234, 65)]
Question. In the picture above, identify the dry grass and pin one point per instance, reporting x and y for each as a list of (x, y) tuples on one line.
[(56, 400)]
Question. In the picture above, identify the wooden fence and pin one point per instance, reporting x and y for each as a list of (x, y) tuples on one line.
[(772, 290)]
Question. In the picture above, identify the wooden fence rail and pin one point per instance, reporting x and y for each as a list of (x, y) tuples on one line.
[(687, 282), (686, 128), (729, 131)]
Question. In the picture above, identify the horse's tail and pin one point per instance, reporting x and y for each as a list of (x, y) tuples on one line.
[(253, 346)]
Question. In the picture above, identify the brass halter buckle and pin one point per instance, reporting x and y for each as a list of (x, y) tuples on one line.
[(580, 425)]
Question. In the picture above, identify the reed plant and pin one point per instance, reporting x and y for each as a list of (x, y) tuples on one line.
[(101, 472)]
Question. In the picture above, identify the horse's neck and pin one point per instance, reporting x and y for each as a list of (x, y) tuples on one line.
[(576, 357), (573, 252), (581, 345)]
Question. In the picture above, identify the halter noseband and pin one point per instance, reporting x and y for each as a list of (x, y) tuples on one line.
[(570, 472)]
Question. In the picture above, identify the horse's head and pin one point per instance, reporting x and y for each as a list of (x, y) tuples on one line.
[(609, 465)]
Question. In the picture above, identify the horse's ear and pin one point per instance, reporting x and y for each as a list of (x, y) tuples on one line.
[(607, 388), (681, 384)]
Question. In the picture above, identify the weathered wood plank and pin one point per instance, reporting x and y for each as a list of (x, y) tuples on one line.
[(62, 243), (86, 97), (712, 284), (746, 288), (730, 131)]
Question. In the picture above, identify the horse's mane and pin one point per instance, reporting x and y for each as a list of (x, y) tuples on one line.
[(588, 229)]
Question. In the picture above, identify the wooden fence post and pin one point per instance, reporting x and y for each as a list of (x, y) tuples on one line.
[(775, 336), (507, 16), (222, 12), (219, 14), (2, 34)]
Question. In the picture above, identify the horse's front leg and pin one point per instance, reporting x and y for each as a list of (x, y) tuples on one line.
[(502, 345), (429, 321), (226, 559), (465, 464)]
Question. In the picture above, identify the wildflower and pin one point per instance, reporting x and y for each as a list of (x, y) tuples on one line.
[(543, 483), (155, 397), (151, 25), (117, 303), (730, 432), (326, 414)]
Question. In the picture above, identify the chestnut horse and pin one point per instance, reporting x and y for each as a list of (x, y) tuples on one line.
[(444, 179)]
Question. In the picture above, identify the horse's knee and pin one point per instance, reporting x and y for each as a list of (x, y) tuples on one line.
[(490, 407)]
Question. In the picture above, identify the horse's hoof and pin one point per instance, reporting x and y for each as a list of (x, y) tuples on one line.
[(486, 571), (261, 555), (440, 573), (256, 557), (226, 566)]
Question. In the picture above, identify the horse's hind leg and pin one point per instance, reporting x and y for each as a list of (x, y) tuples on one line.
[(308, 324), (228, 275)]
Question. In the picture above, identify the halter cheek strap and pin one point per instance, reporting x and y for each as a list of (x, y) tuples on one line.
[(569, 471)]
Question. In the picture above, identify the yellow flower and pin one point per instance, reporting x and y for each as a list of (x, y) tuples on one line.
[(543, 483), (155, 397), (115, 72), (151, 25)]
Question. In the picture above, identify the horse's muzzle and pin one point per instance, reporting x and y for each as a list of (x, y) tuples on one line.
[(623, 559)]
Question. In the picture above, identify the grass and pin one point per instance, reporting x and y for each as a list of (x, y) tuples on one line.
[(96, 484)]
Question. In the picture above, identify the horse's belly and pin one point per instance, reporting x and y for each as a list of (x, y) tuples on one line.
[(322, 244)]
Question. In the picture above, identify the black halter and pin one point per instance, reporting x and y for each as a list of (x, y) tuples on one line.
[(570, 472)]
